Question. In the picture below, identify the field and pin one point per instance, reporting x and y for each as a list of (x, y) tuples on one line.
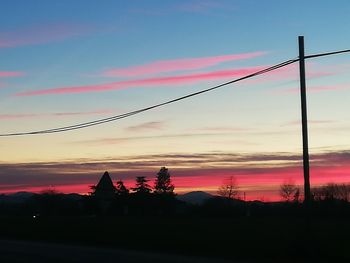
[(262, 239)]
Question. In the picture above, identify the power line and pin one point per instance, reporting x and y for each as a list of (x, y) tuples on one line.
[(131, 113), (327, 54)]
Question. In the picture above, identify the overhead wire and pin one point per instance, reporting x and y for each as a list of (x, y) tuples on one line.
[(131, 113), (327, 54), (113, 118)]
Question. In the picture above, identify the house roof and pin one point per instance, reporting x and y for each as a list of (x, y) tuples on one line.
[(105, 183)]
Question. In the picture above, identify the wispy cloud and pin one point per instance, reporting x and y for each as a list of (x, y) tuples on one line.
[(314, 89), (79, 113), (8, 74), (152, 125), (148, 11), (298, 122), (41, 34), (200, 6), (18, 116), (291, 72), (223, 129), (119, 140), (256, 172), (329, 88), (177, 65), (146, 82), (54, 114)]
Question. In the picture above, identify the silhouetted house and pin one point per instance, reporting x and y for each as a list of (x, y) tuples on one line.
[(104, 193), (104, 190)]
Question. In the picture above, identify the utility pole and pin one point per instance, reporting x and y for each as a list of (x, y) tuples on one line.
[(306, 165)]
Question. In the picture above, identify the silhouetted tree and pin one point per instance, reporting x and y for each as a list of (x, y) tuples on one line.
[(229, 188), (141, 186), (121, 189), (296, 197), (332, 191), (50, 191), (163, 184), (289, 191)]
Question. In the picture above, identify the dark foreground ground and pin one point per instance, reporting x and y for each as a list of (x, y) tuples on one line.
[(244, 239), (33, 252)]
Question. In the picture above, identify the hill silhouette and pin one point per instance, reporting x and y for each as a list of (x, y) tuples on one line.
[(195, 197)]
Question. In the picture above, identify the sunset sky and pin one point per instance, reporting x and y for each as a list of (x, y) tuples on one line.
[(66, 62)]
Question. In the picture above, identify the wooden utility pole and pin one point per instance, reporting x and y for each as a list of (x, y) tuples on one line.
[(306, 165)]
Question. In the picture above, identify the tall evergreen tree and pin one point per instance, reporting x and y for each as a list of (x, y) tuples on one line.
[(141, 186), (163, 184), (121, 189)]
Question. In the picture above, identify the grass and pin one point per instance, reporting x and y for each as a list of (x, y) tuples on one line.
[(262, 238)]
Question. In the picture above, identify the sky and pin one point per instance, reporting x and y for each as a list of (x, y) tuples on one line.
[(67, 62)]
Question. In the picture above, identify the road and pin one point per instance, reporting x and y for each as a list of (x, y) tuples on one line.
[(28, 252)]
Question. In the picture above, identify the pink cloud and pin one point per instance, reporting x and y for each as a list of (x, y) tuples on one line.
[(292, 123), (291, 72), (255, 174), (97, 112), (73, 188), (200, 6), (7, 74), (148, 12), (314, 89), (40, 34), (177, 65), (329, 88), (313, 71), (152, 125), (261, 183), (223, 129), (157, 81), (17, 116)]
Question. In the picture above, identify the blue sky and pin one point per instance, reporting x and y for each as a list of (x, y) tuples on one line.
[(46, 46)]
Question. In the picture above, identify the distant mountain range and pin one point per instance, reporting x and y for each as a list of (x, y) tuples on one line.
[(21, 197), (195, 197), (18, 197)]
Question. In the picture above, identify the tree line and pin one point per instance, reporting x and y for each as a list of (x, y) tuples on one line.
[(163, 185), (159, 198), (142, 199), (290, 192)]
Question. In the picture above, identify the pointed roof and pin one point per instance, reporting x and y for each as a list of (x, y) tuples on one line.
[(105, 183)]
